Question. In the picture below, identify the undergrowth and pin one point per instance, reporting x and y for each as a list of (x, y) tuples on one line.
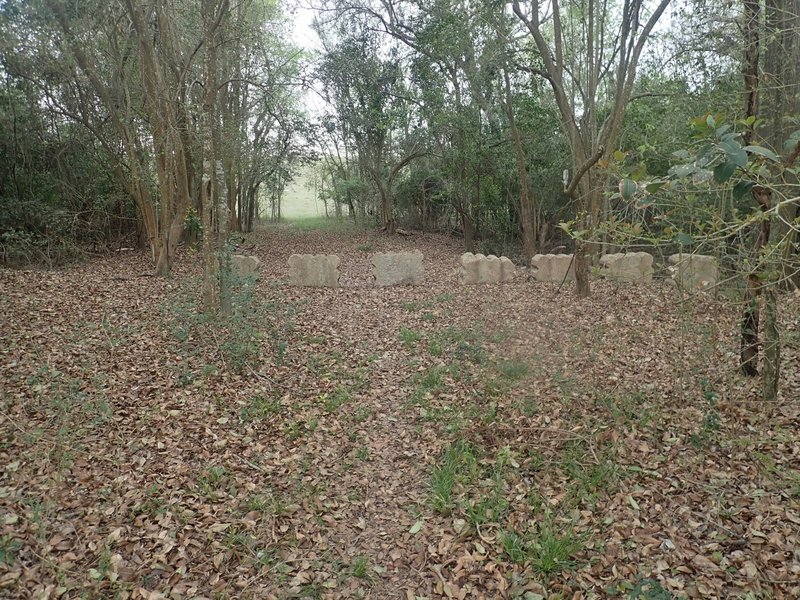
[(254, 330)]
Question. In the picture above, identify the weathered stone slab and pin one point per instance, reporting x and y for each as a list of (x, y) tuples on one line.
[(694, 272), (553, 267), (314, 270), (245, 266), (508, 269), (397, 268), (477, 268), (633, 266)]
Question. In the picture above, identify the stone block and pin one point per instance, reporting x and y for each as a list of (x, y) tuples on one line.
[(397, 268), (633, 267), (477, 268), (314, 270), (693, 272), (553, 267), (245, 266)]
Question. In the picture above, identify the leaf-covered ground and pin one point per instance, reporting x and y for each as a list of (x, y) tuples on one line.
[(436, 441)]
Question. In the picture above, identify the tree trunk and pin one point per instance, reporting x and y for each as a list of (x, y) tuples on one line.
[(215, 221), (750, 319), (168, 244), (780, 101), (750, 316), (581, 264), (772, 347), (469, 232), (526, 203), (387, 211)]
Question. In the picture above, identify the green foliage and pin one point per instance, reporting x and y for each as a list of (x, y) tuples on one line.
[(360, 567), (649, 589), (193, 224), (58, 197), (458, 465), (259, 408), (429, 383), (333, 401), (711, 422), (547, 547), (9, 549), (213, 480), (458, 344), (409, 337), (240, 337), (513, 370)]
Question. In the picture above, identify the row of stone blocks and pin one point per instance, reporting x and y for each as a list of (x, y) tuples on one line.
[(692, 272), (388, 268)]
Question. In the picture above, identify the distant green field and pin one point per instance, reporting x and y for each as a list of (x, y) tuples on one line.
[(299, 199)]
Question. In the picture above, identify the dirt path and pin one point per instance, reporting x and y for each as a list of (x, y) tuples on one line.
[(410, 442)]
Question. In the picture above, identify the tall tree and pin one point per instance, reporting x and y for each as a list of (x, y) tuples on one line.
[(371, 98), (215, 218), (589, 54)]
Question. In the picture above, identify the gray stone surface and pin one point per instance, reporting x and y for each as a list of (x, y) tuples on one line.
[(477, 268), (553, 267), (397, 268), (245, 266), (694, 272), (314, 270), (634, 267)]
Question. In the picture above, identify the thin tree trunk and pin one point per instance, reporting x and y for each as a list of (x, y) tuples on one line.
[(214, 219), (581, 264), (526, 202), (772, 347), (750, 316)]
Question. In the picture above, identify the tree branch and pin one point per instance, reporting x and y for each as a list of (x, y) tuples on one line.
[(576, 178)]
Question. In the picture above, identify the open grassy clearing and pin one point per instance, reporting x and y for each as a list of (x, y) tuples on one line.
[(299, 200), (428, 442)]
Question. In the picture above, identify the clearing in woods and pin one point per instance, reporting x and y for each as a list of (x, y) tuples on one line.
[(436, 441)]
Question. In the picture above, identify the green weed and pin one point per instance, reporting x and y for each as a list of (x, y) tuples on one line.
[(409, 337), (711, 422), (9, 549), (445, 297), (361, 414), (513, 370), (41, 511), (360, 567), (339, 397), (528, 407), (547, 548), (242, 332), (294, 430), (213, 480), (649, 589), (259, 407), (431, 382), (152, 504), (625, 408), (460, 344), (589, 477), (267, 504), (458, 465)]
